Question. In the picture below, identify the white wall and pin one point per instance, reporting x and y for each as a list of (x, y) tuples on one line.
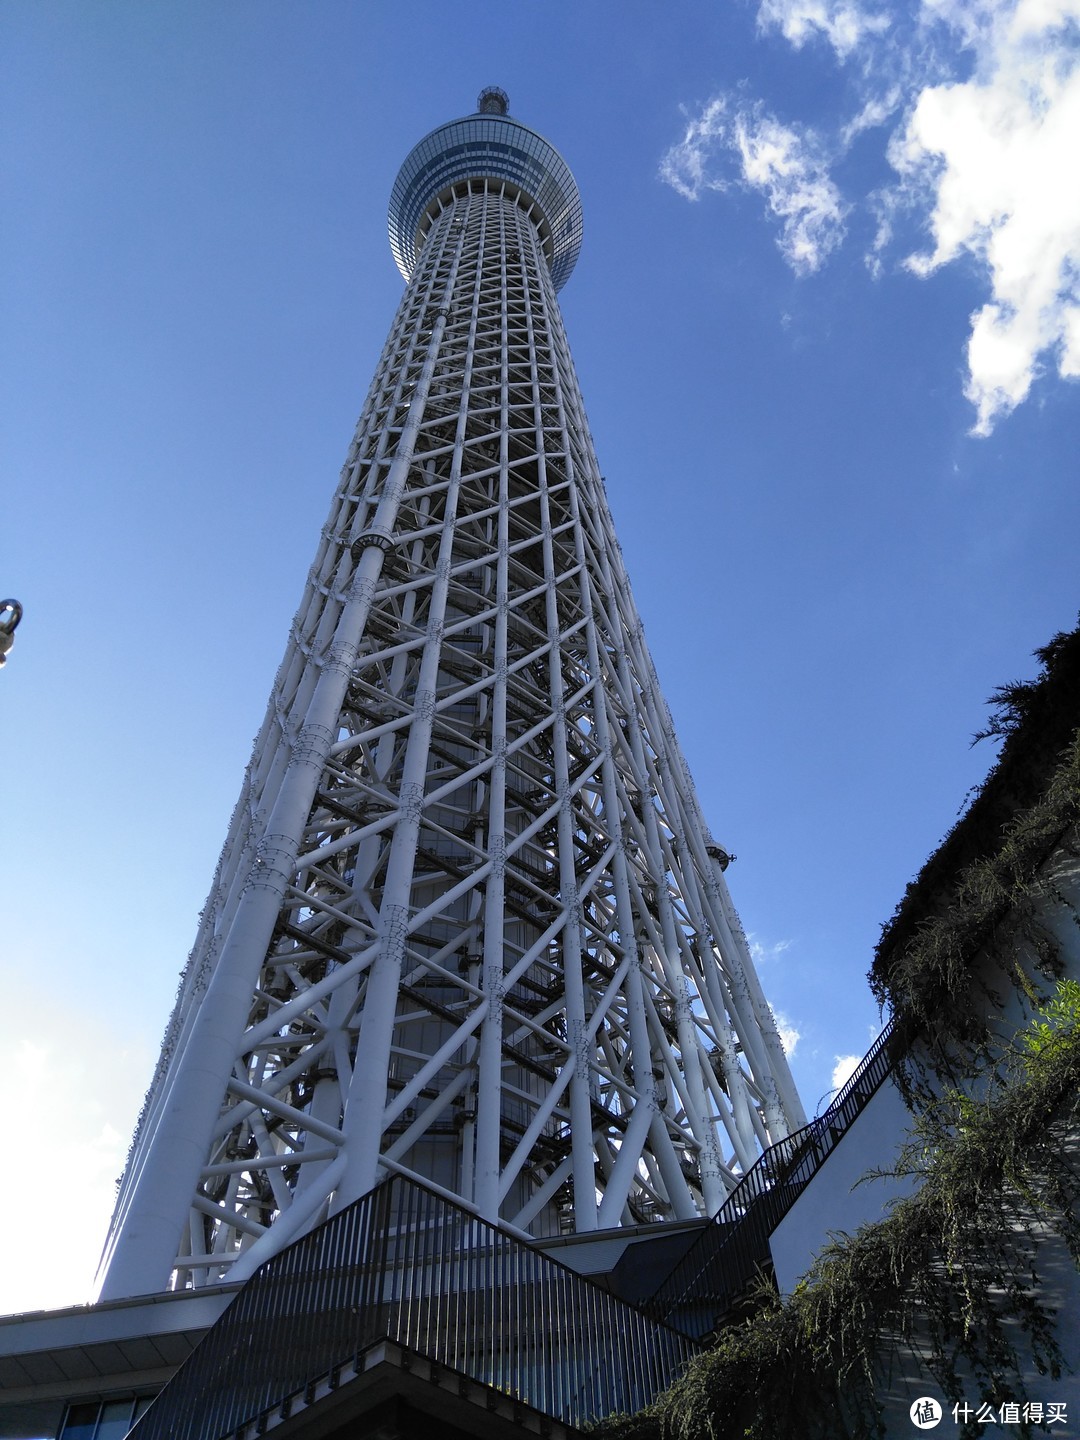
[(835, 1200)]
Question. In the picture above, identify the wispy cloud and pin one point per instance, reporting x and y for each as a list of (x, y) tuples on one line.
[(762, 953), (729, 143), (979, 105), (688, 166), (840, 23)]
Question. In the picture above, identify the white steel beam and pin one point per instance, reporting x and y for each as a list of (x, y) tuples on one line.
[(468, 923)]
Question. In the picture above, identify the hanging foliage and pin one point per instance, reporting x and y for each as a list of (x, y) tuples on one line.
[(982, 886), (949, 1278)]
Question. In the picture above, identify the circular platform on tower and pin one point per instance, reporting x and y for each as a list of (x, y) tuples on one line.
[(490, 144)]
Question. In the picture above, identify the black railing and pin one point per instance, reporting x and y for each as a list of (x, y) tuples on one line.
[(715, 1271), (406, 1265)]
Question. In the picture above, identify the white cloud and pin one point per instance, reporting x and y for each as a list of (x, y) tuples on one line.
[(789, 1034), (842, 24), (994, 160), (844, 1068), (988, 98), (741, 144)]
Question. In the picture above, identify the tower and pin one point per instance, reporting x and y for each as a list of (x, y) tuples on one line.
[(468, 924)]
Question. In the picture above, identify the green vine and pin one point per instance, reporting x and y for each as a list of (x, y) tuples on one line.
[(948, 1277)]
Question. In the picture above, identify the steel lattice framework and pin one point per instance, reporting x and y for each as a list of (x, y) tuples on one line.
[(468, 924)]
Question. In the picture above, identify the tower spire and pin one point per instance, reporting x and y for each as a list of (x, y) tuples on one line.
[(468, 924), (493, 101)]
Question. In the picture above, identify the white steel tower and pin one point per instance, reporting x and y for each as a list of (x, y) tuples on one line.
[(468, 924)]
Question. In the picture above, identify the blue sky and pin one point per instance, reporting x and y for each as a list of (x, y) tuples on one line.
[(827, 326)]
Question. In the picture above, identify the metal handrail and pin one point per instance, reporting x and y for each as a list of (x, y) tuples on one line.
[(715, 1270), (406, 1265)]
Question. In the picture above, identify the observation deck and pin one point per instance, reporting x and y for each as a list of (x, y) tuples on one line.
[(489, 145)]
